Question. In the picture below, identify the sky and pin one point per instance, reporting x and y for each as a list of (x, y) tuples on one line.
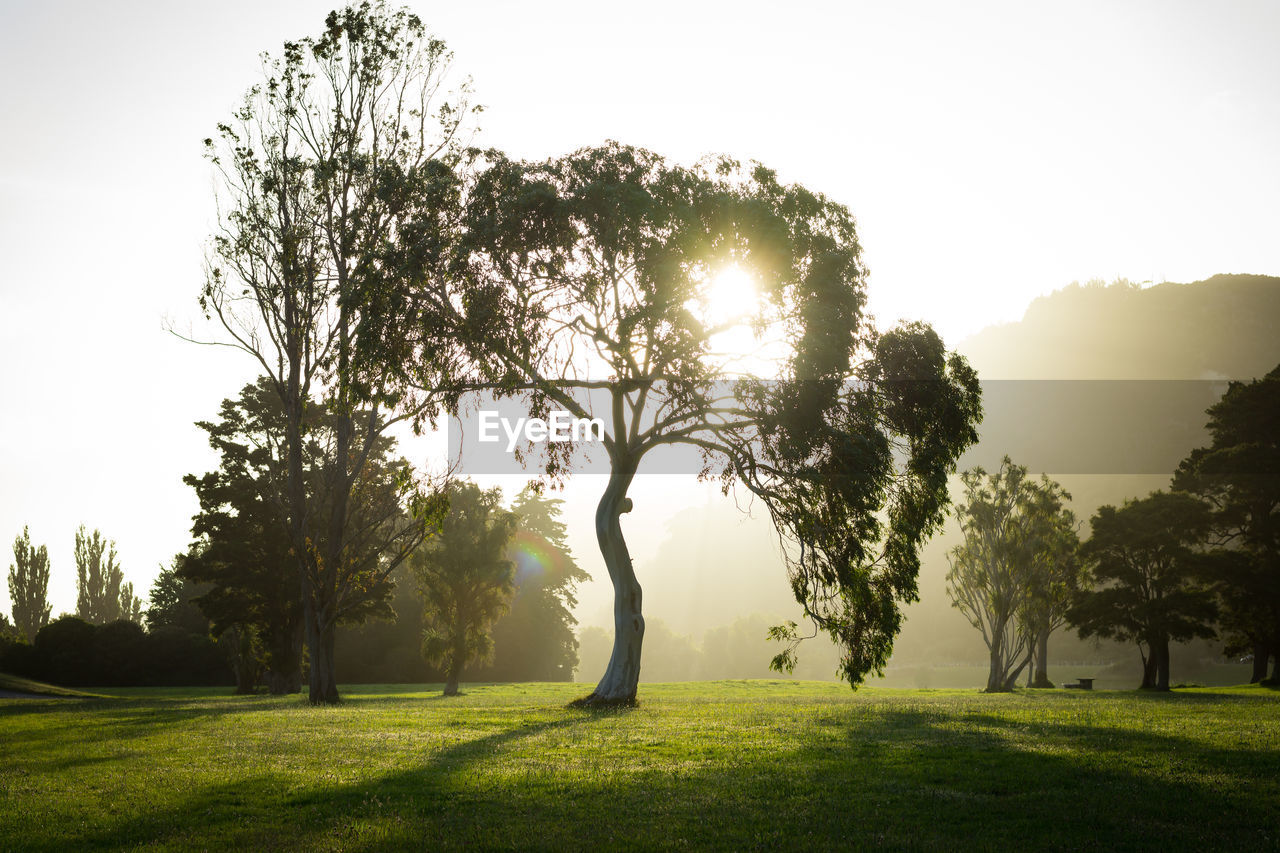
[(991, 152)]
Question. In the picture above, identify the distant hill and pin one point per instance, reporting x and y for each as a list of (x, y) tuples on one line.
[(1225, 327)]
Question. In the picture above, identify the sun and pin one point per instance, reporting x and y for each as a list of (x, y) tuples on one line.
[(731, 296)]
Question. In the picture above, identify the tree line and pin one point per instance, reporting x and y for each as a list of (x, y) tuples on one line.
[(1200, 560), (492, 593), (102, 593)]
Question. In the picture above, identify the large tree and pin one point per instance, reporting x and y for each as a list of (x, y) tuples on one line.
[(614, 272), (1147, 570), (102, 594), (29, 586), (349, 133), (1239, 474), (1012, 574), (466, 580)]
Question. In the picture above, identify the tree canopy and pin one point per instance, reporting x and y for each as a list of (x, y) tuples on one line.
[(600, 272), (1239, 475), (29, 586), (102, 593), (1147, 575), (1012, 575), (465, 579)]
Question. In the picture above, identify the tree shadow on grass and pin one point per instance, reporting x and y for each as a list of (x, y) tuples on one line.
[(865, 778)]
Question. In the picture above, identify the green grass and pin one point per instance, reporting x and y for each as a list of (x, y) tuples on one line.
[(732, 765)]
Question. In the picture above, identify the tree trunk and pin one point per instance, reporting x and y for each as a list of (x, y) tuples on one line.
[(1148, 669), (1261, 655), (1160, 651), (320, 644), (622, 676), (286, 662), (455, 675), (1012, 680), (1041, 678), (995, 676)]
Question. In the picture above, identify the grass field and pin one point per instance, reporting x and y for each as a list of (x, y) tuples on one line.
[(732, 765)]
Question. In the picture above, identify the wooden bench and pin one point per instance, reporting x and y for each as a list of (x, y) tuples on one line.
[(1081, 684)]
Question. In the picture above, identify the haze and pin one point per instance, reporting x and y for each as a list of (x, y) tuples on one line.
[(992, 154)]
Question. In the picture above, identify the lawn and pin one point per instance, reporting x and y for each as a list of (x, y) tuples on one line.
[(732, 765)]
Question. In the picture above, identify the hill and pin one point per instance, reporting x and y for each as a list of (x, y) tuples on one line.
[(1221, 328)]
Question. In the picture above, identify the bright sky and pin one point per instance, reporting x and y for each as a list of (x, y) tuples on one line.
[(992, 152)]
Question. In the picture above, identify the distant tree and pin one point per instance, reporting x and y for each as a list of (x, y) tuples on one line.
[(1054, 574), (102, 594), (1239, 475), (1011, 574), (1147, 579), (465, 579), (29, 586), (350, 135), (536, 640), (172, 601), (612, 271)]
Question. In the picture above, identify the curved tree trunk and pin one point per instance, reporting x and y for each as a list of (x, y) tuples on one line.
[(622, 676)]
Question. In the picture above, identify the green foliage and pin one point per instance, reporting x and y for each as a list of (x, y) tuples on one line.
[(70, 651), (173, 601), (535, 639), (1013, 574), (1148, 578), (29, 586), (349, 141), (615, 251), (1239, 475), (102, 594), (725, 765), (465, 579), (243, 553)]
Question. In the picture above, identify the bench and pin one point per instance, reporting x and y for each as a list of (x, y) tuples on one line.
[(1081, 684)]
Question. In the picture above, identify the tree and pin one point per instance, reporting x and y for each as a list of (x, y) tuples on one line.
[(29, 586), (347, 136), (535, 639), (243, 552), (1146, 571), (102, 594), (1239, 475), (465, 579), (1011, 575), (612, 272), (173, 601), (1054, 576)]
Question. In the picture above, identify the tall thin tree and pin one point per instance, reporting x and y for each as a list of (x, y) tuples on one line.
[(102, 593), (29, 586), (349, 133)]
